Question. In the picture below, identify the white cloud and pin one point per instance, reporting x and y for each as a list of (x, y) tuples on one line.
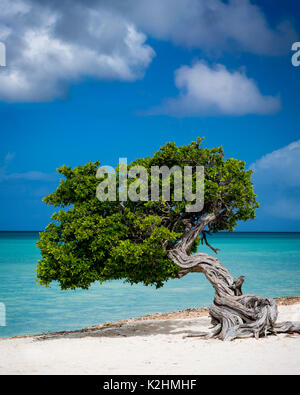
[(51, 44), (206, 90), (277, 181), (26, 176), (281, 166), (31, 176), (209, 25), (42, 58)]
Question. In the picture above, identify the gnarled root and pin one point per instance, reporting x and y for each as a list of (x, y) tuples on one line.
[(250, 316), (246, 316), (233, 314)]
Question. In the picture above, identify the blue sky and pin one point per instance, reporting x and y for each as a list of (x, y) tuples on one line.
[(99, 81)]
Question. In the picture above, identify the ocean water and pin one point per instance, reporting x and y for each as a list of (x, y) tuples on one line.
[(270, 262)]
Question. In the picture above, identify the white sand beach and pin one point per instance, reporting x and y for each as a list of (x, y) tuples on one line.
[(152, 346)]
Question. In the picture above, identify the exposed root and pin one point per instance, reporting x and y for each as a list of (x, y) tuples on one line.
[(252, 317), (255, 317), (233, 314)]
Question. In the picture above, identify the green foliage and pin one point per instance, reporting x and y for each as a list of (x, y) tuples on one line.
[(90, 241)]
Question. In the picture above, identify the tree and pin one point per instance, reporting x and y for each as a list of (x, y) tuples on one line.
[(152, 241)]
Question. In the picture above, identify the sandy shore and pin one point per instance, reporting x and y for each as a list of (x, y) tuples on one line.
[(153, 345)]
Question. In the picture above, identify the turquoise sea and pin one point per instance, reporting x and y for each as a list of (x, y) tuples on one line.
[(270, 262)]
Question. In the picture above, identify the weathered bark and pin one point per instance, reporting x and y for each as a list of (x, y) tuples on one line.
[(233, 314)]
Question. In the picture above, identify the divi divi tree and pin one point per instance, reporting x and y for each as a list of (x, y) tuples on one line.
[(151, 242)]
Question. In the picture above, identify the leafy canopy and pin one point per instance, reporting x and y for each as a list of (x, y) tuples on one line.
[(89, 240)]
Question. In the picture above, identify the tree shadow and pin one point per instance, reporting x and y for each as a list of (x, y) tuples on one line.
[(146, 328)]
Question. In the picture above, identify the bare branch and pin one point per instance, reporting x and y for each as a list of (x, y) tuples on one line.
[(204, 238)]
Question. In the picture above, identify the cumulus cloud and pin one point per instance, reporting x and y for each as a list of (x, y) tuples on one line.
[(209, 25), (53, 43), (277, 182), (49, 46), (206, 90), (281, 166)]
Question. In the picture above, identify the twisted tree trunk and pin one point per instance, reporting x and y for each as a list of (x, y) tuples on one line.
[(233, 314)]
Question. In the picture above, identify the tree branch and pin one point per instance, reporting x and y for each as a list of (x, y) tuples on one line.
[(186, 242), (215, 250)]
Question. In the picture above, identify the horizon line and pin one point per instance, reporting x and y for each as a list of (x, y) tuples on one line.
[(249, 231)]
